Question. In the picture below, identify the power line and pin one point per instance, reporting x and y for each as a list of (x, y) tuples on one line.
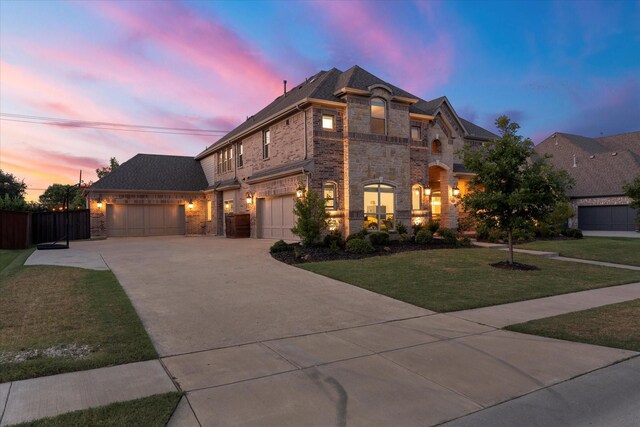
[(54, 121)]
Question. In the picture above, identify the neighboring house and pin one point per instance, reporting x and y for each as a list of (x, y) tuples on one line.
[(600, 167), (377, 153)]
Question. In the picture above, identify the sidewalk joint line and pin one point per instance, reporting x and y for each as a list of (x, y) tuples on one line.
[(6, 402)]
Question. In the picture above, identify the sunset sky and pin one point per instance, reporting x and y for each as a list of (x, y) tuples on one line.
[(551, 66)]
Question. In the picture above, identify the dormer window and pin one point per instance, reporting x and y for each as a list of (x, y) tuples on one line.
[(378, 116)]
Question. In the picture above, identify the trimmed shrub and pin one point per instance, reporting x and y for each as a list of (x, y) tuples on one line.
[(401, 228), (522, 235), (574, 233), (424, 237), (333, 238), (379, 238), (280, 246), (448, 236), (360, 246), (465, 242), (417, 227), (544, 231), (433, 226), (359, 235)]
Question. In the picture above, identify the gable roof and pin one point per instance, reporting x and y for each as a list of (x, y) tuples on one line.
[(325, 86), (155, 172), (476, 132), (602, 165)]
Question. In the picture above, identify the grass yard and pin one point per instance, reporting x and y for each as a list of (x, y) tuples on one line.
[(81, 317), (614, 325), (457, 279), (619, 250), (153, 411)]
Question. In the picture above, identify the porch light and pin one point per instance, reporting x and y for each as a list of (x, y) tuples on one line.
[(300, 192), (456, 191), (249, 197), (190, 205), (427, 190), (417, 221), (99, 204)]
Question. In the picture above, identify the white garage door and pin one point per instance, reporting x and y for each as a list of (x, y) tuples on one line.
[(275, 218), (145, 220)]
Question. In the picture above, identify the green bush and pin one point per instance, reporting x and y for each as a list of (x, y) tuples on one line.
[(448, 236), (417, 227), (401, 228), (424, 237), (359, 235), (574, 233), (482, 232), (404, 238), (465, 242), (332, 238), (280, 246), (522, 235), (544, 231), (433, 226), (360, 246), (311, 217), (379, 238)]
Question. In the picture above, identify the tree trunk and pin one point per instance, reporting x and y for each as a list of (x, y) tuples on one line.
[(510, 256)]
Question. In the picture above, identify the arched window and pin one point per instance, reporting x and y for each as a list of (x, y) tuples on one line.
[(416, 197), (378, 116), (436, 146), (330, 195), (379, 204)]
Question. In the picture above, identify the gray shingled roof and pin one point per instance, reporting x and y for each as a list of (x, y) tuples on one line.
[(307, 165), (476, 131), (323, 85), (155, 172), (597, 171)]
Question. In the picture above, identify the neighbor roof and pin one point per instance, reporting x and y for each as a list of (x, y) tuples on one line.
[(323, 86), (602, 165), (155, 172)]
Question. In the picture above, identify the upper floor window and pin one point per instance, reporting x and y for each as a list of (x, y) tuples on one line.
[(416, 133), (266, 140), (225, 160), (240, 155), (329, 194), (436, 146), (328, 122), (378, 116)]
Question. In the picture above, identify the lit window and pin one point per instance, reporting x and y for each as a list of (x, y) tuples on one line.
[(266, 140), (229, 158), (228, 206), (378, 116), (436, 205), (328, 122), (416, 133), (379, 201), (240, 155), (329, 193), (436, 146), (416, 197), (209, 207)]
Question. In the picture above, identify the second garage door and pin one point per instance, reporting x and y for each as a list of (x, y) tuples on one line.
[(145, 220), (275, 218), (616, 218)]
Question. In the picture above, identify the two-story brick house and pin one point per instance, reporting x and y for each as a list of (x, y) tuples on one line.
[(379, 154)]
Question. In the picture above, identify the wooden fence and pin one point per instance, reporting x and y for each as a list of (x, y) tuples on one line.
[(19, 230)]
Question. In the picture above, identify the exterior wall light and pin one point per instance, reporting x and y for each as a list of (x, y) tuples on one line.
[(99, 204), (300, 192), (190, 205), (427, 190), (456, 191), (249, 197), (417, 221)]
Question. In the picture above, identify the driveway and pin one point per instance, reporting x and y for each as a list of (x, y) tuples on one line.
[(256, 342)]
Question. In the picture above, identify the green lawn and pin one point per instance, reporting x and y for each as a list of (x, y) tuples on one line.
[(456, 279), (620, 250), (153, 411), (46, 306), (615, 325)]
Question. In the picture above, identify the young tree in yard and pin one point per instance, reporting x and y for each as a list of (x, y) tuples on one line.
[(632, 191), (512, 188), (311, 217), (10, 185), (104, 171), (54, 196)]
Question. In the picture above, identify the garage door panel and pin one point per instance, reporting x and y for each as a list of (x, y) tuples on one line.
[(145, 220), (275, 218), (614, 218)]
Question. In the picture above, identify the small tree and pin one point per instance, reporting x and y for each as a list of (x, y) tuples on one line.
[(55, 194), (104, 171), (512, 187), (632, 191), (311, 217), (10, 185)]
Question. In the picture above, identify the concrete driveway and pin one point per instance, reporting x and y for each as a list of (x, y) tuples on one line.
[(256, 342)]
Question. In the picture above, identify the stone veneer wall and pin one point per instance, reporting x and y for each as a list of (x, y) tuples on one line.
[(195, 219), (595, 201)]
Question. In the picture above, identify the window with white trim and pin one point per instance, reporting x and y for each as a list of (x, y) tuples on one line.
[(329, 194), (378, 116), (379, 204), (328, 122), (416, 197), (240, 155), (266, 140)]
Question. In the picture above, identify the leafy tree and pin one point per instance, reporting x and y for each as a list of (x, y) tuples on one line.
[(311, 217), (632, 191), (55, 194), (104, 171), (10, 185), (512, 187), (9, 203)]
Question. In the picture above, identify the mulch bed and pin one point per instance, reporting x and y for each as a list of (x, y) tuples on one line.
[(514, 266), (323, 253)]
